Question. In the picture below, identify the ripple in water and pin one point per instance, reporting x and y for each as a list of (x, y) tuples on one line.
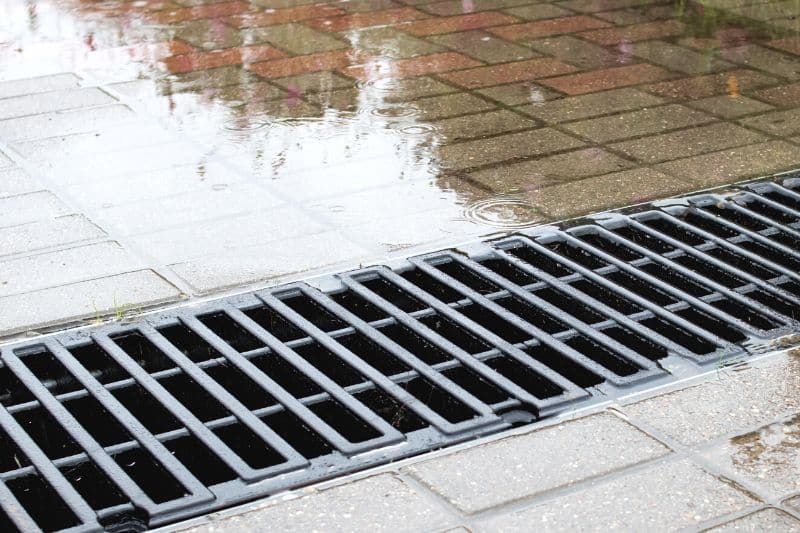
[(507, 212), (417, 129)]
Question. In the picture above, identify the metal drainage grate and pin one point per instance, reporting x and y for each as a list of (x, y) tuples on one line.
[(133, 426)]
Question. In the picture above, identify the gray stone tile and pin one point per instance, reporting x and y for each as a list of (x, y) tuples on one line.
[(641, 122), (41, 84), (484, 46), (767, 458), (575, 51), (298, 39), (688, 142), (260, 263), (728, 402), (524, 92), (34, 104), (380, 503), (592, 105), (627, 187), (30, 273), (393, 43), (24, 208), (779, 123), (728, 107), (15, 181), (218, 236), (531, 175), (47, 233), (64, 123), (669, 497), (161, 213), (84, 301), (515, 468), (757, 57), (82, 144), (734, 164), (474, 126), (678, 58), (314, 82), (436, 107), (505, 147), (538, 11), (765, 520)]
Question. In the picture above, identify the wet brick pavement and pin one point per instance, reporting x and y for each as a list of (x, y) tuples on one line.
[(157, 150)]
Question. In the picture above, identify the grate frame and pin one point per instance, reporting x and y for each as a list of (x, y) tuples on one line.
[(281, 387)]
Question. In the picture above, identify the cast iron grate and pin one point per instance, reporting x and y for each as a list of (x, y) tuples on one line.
[(132, 426)]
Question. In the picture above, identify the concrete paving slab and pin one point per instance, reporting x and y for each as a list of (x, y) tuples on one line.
[(23, 208), (766, 520), (380, 503), (34, 104), (515, 468), (669, 497), (64, 123), (86, 300), (47, 233), (766, 457), (732, 400), (42, 84), (15, 181), (50, 269)]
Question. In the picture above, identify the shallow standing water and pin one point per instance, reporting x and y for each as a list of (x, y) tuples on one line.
[(229, 142)]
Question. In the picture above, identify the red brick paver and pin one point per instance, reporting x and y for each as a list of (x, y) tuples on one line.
[(785, 95), (508, 73), (365, 20), (283, 16), (292, 66), (635, 32), (410, 68), (221, 58), (460, 23), (610, 78), (543, 28)]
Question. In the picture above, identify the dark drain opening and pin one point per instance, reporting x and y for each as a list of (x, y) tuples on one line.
[(185, 403)]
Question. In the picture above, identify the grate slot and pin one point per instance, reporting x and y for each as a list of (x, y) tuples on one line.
[(392, 294), (405, 337), (249, 446), (230, 331), (745, 314), (468, 277), (783, 197), (677, 279), (314, 313), (94, 486), (737, 216), (706, 270), (274, 323), (575, 253), (643, 239), (532, 315), (602, 356), (350, 426), (199, 460), (772, 254), (701, 220), (376, 356), (359, 306), (765, 209), (431, 286), (612, 247), (146, 409), (476, 385), (330, 364), (741, 263), (46, 508), (439, 400), (607, 297), (565, 366), (455, 334), (247, 391), (396, 414), (636, 342), (148, 474), (298, 434), (494, 323), (712, 324), (508, 270), (189, 343), (571, 306), (540, 260), (643, 289)]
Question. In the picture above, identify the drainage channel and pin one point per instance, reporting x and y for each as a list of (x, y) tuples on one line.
[(126, 427)]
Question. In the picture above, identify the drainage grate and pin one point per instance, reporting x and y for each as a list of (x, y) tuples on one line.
[(126, 427)]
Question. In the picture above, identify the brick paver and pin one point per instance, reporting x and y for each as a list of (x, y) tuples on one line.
[(543, 28), (508, 73), (612, 78), (458, 23)]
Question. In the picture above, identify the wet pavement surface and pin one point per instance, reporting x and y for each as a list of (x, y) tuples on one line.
[(152, 150)]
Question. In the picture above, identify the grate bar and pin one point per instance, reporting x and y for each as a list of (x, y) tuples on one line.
[(286, 400), (721, 264), (176, 408), (76, 430), (586, 299), (597, 278), (670, 263), (556, 312), (569, 388), (389, 435), (486, 414), (198, 493), (49, 472), (468, 360)]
